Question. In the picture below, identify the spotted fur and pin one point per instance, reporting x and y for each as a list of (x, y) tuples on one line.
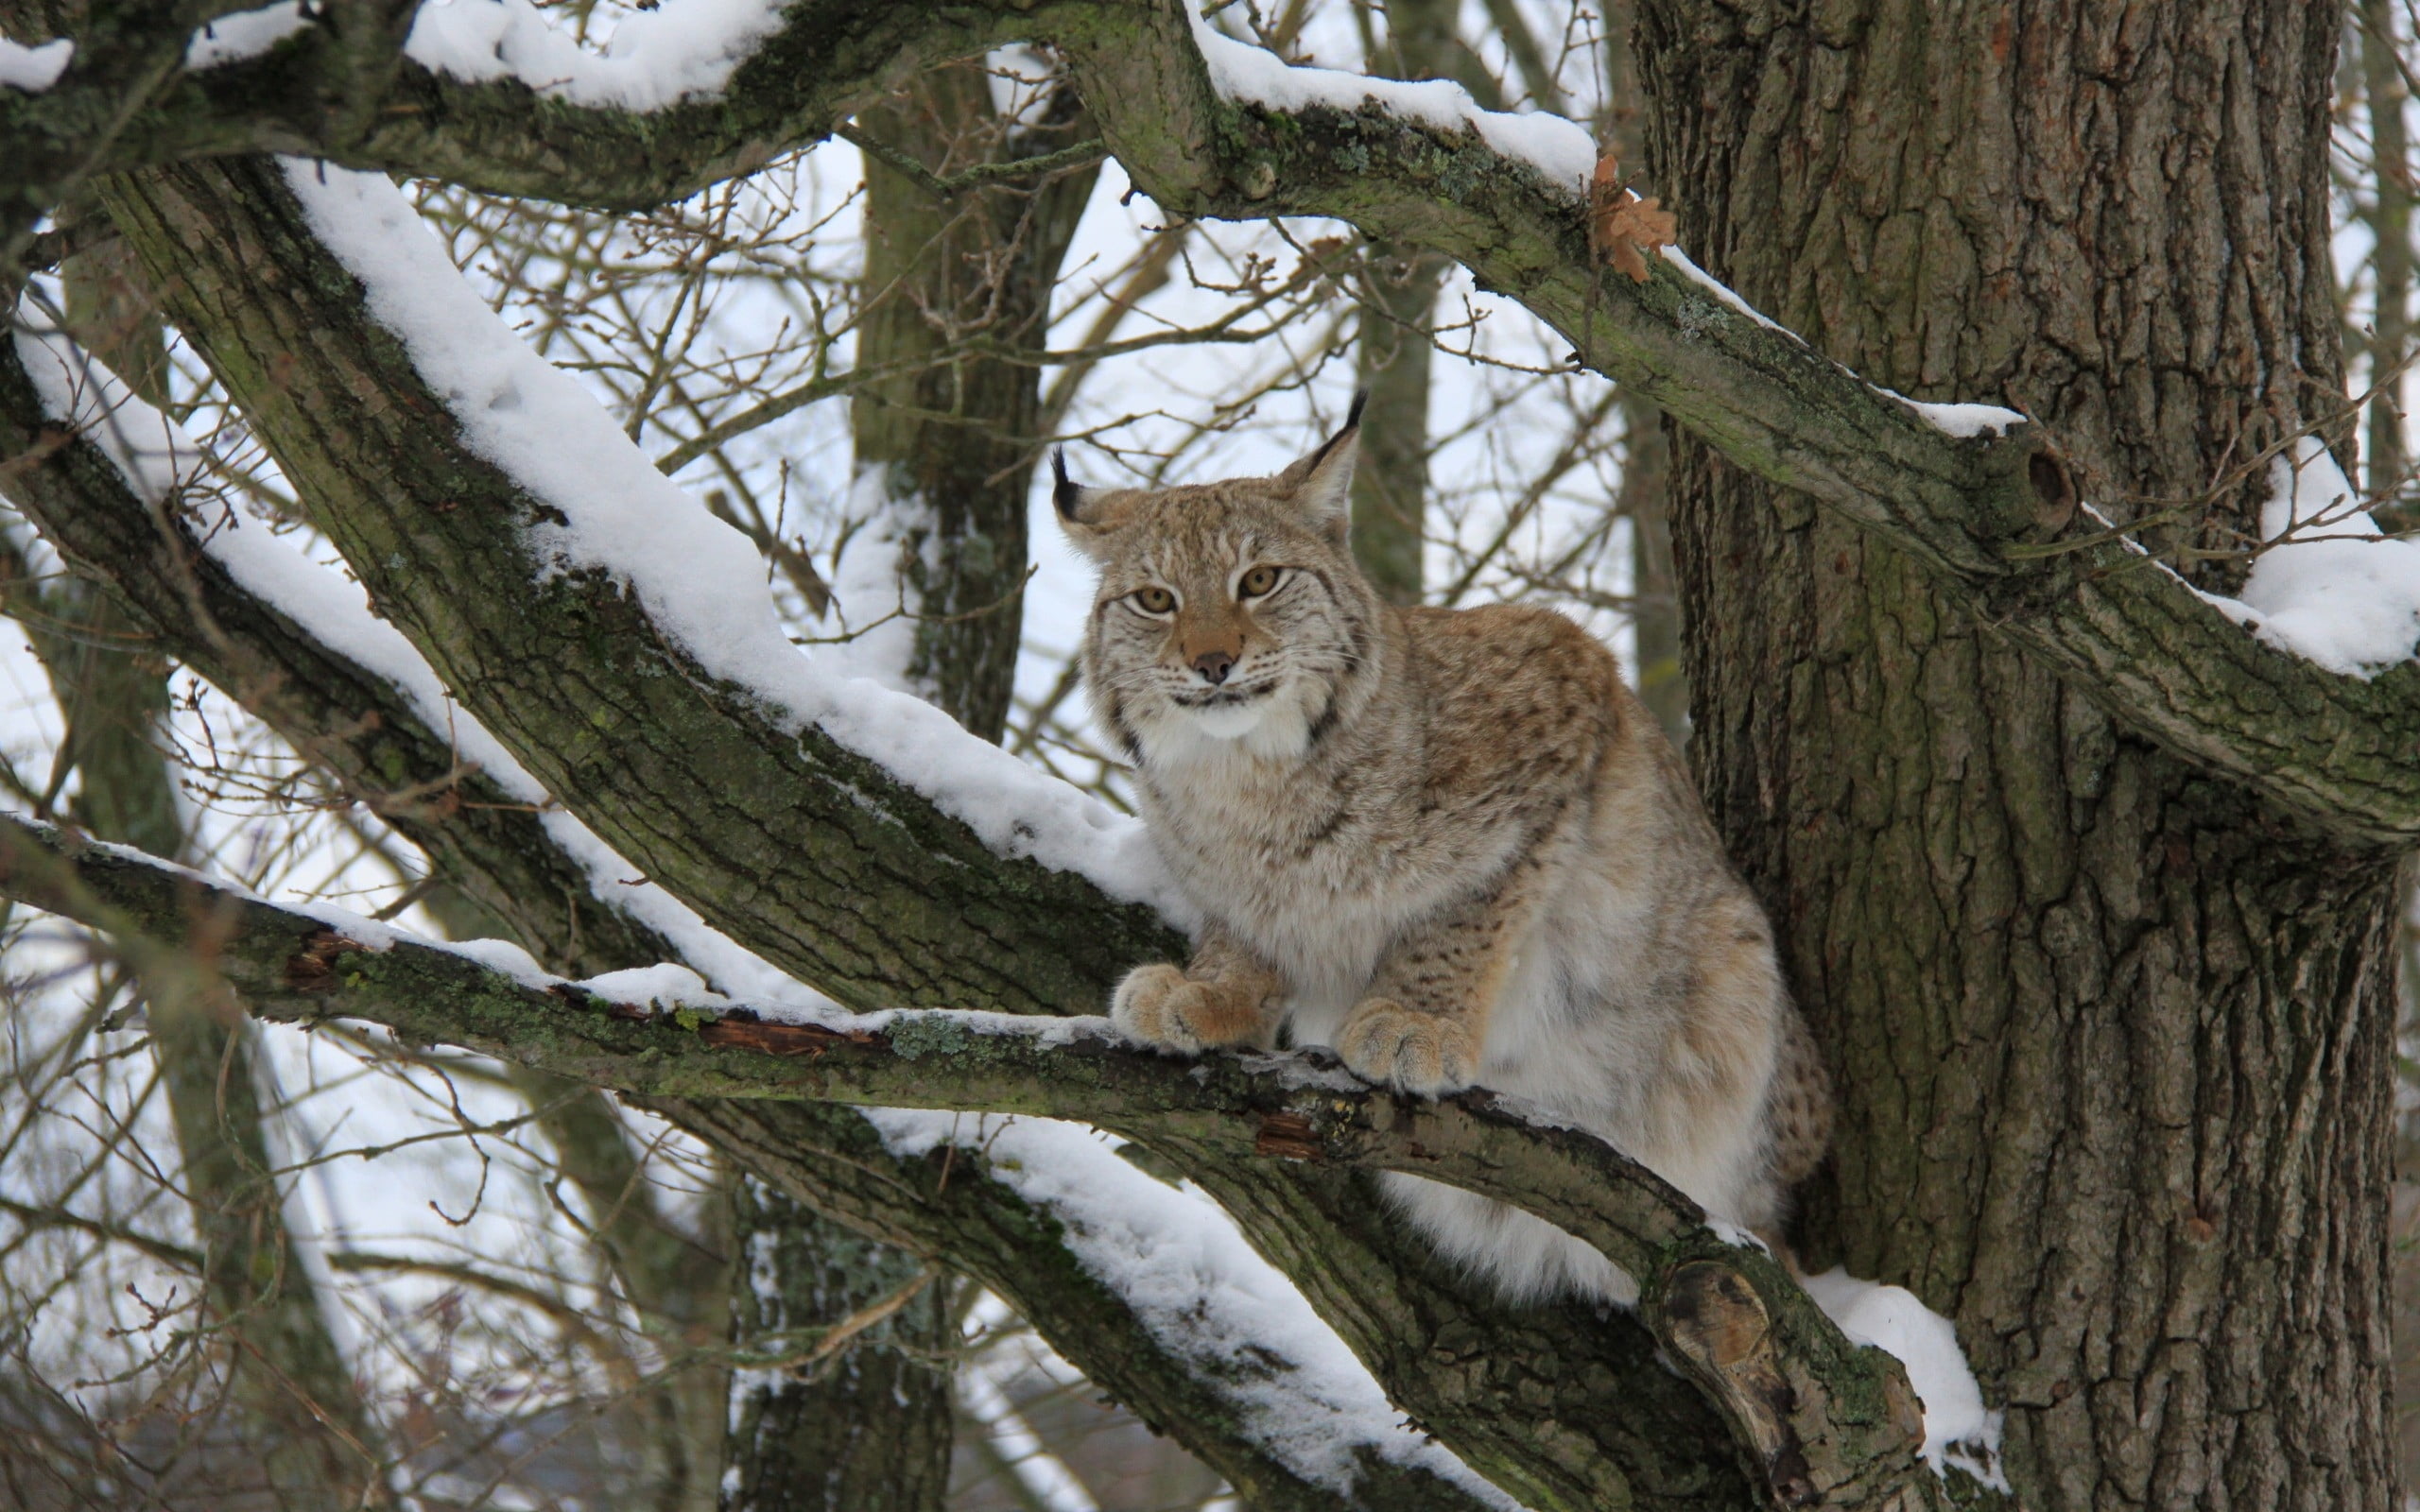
[(1450, 844)]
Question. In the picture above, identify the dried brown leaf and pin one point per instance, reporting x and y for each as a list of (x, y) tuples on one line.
[(1623, 227)]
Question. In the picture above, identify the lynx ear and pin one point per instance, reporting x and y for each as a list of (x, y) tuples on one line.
[(1078, 506), (1322, 482)]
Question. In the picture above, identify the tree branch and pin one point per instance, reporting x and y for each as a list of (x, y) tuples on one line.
[(341, 89), (1825, 1421), (344, 716)]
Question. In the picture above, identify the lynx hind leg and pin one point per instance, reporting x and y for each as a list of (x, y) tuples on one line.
[(1162, 1007), (1426, 1054), (1798, 1109), (1711, 1129)]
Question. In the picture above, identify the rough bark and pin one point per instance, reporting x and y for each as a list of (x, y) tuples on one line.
[(2113, 1044), (1392, 358), (1655, 595), (867, 1426)]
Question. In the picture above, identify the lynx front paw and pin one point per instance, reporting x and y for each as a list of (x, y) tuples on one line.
[(1161, 1005), (1428, 1054)]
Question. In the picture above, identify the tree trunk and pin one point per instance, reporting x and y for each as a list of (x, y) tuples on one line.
[(1398, 298), (865, 1428), (2390, 216), (945, 447), (2113, 1044), (290, 1396), (946, 440), (1391, 485)]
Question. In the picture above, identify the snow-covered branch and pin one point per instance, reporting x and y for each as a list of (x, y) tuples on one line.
[(102, 475), (1822, 1418), (496, 96)]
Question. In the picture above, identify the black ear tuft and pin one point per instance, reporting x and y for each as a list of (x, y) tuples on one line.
[(1352, 426), (1064, 491)]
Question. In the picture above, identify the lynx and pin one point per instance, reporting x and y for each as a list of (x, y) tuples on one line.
[(1451, 845)]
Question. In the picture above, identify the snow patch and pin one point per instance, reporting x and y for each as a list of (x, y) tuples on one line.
[(666, 985), (1720, 290), (2330, 594), (701, 582), (1559, 149), (1963, 422), (685, 50), (245, 34), (1203, 1292), (502, 956), (1959, 1429), (33, 69)]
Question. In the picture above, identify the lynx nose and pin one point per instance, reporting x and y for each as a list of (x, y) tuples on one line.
[(1213, 665)]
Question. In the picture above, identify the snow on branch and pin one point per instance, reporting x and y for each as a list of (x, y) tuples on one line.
[(1823, 1413), (160, 464), (683, 50), (1558, 149), (700, 581), (1204, 1294), (2326, 584)]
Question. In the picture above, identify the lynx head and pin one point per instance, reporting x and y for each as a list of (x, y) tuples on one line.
[(1230, 616)]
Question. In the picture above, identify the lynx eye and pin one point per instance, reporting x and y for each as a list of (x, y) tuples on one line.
[(1154, 600), (1259, 580)]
